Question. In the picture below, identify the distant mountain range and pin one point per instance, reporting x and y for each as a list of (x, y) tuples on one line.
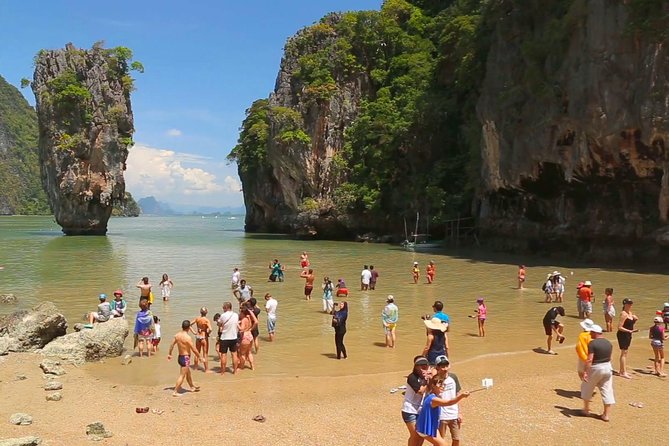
[(151, 206)]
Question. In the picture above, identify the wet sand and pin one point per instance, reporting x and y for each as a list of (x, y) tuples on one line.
[(534, 400)]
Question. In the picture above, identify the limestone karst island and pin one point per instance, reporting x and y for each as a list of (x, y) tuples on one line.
[(334, 222)]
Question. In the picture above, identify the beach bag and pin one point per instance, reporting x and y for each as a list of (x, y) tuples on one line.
[(543, 287)]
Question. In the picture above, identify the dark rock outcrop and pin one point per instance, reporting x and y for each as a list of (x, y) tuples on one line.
[(104, 340), (32, 330), (86, 125), (574, 137)]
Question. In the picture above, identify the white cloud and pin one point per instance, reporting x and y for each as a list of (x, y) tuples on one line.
[(174, 133), (170, 176)]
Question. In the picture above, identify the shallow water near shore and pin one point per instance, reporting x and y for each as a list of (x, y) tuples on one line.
[(199, 255)]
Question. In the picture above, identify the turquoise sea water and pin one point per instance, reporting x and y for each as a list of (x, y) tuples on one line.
[(200, 253)]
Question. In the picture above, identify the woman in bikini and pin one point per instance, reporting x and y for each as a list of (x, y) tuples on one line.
[(247, 322)]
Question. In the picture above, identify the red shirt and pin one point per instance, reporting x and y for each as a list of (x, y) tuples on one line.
[(585, 294)]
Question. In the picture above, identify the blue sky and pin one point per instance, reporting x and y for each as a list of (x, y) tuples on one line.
[(205, 62)]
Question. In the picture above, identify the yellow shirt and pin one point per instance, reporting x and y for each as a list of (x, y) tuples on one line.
[(582, 345)]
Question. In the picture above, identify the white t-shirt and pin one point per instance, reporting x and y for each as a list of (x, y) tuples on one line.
[(451, 388), (270, 306), (228, 323), (366, 276), (156, 333), (244, 293), (235, 277)]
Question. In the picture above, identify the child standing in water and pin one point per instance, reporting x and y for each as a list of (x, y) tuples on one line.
[(657, 337), (521, 277), (165, 287), (415, 272), (481, 314)]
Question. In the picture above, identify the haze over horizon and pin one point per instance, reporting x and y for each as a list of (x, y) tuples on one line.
[(204, 66)]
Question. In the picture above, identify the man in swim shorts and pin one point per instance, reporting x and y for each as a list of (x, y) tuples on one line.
[(186, 348), (308, 276), (203, 329)]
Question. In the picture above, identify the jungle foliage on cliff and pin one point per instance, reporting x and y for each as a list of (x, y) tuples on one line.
[(414, 144), (20, 185)]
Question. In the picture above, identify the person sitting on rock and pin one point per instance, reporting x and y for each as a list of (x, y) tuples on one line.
[(118, 305), (104, 311)]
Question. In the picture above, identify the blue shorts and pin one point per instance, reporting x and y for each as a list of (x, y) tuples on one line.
[(271, 325), (409, 417)]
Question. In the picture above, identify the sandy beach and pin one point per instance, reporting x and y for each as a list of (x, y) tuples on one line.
[(534, 401)]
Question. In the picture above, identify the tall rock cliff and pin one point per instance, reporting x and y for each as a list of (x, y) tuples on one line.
[(20, 186), (304, 123), (362, 116), (85, 129), (575, 117)]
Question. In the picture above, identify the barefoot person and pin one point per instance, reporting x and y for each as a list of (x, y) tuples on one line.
[(609, 309), (270, 308), (657, 336), (304, 260), (247, 322), (229, 333), (521, 277), (552, 325), (166, 286), (598, 373), (430, 272), (624, 335), (186, 348), (309, 277), (202, 331)]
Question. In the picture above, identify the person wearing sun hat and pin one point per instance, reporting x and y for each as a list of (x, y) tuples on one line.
[(389, 317), (582, 346), (118, 305), (585, 300), (436, 344), (657, 337), (415, 272), (598, 373), (104, 311)]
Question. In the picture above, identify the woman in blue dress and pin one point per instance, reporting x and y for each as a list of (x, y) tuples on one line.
[(427, 425), (276, 271)]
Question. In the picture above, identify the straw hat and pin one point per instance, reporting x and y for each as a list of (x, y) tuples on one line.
[(436, 324)]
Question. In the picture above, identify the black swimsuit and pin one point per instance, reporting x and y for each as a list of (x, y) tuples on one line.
[(624, 337)]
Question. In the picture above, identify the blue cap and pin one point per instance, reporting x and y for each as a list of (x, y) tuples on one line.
[(102, 296)]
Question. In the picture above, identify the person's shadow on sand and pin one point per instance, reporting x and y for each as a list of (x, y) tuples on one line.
[(329, 355), (569, 412), (541, 350), (568, 393)]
